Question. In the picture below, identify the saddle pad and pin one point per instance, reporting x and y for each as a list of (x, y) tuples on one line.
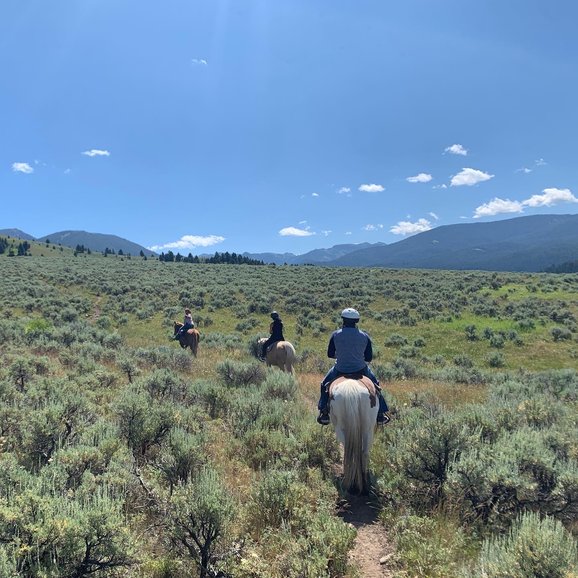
[(363, 380)]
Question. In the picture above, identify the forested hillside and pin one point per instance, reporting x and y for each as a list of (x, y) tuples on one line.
[(123, 455)]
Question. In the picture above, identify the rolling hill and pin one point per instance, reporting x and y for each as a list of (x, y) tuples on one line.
[(93, 241), (531, 243)]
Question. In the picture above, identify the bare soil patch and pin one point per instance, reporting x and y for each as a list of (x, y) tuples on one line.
[(372, 544)]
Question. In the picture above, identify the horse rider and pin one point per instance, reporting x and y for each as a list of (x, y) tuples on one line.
[(187, 324), (276, 331), (352, 350)]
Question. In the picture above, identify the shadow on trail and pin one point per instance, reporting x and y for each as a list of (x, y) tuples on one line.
[(358, 510)]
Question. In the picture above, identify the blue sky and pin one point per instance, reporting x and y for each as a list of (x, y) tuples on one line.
[(284, 125)]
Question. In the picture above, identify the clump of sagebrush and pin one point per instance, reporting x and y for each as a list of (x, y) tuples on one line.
[(200, 511), (47, 532), (290, 529), (534, 546), (238, 373), (427, 546)]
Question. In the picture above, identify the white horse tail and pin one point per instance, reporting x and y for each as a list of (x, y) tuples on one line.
[(354, 421)]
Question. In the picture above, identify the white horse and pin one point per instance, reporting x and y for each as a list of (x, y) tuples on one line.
[(281, 354), (354, 421)]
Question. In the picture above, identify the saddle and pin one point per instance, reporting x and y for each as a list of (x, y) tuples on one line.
[(363, 379)]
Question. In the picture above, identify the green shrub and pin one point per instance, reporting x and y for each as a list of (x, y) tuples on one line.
[(561, 334), (421, 450), (535, 547), (279, 386), (200, 512), (427, 547), (496, 359), (237, 374)]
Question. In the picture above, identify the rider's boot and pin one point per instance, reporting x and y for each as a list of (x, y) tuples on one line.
[(323, 417)]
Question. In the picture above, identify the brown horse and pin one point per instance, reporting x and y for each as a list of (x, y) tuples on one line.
[(189, 339), (281, 354)]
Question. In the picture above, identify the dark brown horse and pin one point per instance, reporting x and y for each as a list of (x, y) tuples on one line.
[(188, 339)]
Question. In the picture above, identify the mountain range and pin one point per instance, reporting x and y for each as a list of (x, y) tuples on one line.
[(531, 243)]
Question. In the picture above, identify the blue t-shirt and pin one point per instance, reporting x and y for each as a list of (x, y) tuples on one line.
[(352, 349)]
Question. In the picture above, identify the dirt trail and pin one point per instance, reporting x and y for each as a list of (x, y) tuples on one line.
[(372, 543)]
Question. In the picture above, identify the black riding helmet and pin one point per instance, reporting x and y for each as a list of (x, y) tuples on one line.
[(274, 315)]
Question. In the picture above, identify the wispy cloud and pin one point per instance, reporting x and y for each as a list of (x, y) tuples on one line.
[(550, 197), (199, 62), (421, 178), (22, 168), (344, 190), (470, 177), (524, 170), (456, 149), (498, 206), (326, 233), (433, 216), (540, 162), (372, 227), (96, 153), (442, 186), (373, 188), (314, 194), (189, 242), (295, 232), (409, 228)]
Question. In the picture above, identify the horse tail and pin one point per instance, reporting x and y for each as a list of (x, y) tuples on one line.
[(353, 422), (290, 357), (195, 336)]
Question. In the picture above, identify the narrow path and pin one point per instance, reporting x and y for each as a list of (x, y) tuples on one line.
[(372, 544)]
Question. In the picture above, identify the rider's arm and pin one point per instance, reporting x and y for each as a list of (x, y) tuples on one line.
[(368, 353), (331, 349)]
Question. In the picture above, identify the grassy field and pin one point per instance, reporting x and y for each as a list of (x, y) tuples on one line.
[(100, 412)]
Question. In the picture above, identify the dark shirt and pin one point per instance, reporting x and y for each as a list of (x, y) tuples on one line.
[(276, 330)]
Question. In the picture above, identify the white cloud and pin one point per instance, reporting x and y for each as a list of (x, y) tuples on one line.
[(497, 206), (199, 62), (295, 232), (433, 216), (550, 197), (408, 228), (372, 227), (189, 242), (344, 190), (524, 170), (443, 186), (371, 188), (457, 149), (96, 153), (22, 168), (314, 194), (540, 162), (326, 233), (470, 177), (421, 178)]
